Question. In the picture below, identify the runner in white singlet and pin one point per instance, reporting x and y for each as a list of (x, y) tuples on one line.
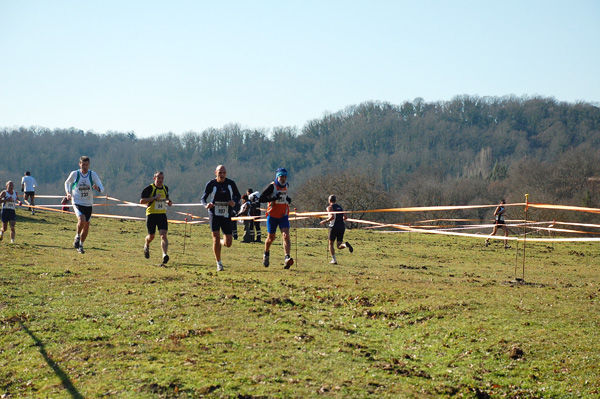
[(80, 186)]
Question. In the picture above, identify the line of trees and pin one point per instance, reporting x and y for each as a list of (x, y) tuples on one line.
[(469, 150)]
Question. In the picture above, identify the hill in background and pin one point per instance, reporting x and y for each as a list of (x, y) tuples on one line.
[(465, 151)]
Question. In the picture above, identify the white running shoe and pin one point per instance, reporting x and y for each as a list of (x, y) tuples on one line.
[(220, 266), (333, 262)]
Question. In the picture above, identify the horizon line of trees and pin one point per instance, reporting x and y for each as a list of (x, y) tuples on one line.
[(470, 150)]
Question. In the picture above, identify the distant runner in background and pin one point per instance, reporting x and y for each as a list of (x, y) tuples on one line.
[(80, 186), (156, 198), (278, 216), (500, 220), (337, 227), (9, 198), (220, 197), (28, 185)]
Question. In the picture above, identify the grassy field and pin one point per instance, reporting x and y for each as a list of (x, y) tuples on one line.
[(404, 316)]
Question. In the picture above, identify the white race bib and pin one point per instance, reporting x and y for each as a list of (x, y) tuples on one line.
[(160, 204), (9, 205), (84, 190), (222, 209), (282, 198)]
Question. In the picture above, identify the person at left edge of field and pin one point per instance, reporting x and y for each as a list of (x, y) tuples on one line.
[(9, 198), (79, 187), (156, 198), (220, 196), (28, 185)]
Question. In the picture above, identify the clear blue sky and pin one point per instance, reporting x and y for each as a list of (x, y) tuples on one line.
[(176, 66)]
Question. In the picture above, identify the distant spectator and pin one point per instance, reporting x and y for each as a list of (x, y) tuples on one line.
[(253, 197), (245, 212), (64, 202)]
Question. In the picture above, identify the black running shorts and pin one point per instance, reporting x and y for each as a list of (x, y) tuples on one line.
[(220, 223), (336, 234), (156, 220)]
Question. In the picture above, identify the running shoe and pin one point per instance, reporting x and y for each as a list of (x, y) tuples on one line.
[(80, 249), (487, 243), (220, 267), (165, 258), (76, 243), (146, 252), (333, 262), (349, 247), (266, 260), (288, 262), (1, 237)]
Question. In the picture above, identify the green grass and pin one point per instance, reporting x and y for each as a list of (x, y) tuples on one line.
[(414, 316)]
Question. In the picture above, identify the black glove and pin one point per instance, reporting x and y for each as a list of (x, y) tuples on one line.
[(278, 195), (289, 200)]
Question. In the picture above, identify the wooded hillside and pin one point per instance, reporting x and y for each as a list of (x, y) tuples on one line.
[(465, 151)]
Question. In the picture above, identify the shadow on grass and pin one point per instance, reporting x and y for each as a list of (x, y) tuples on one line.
[(52, 246), (66, 381)]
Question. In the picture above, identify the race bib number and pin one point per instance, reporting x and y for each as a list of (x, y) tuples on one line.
[(84, 190), (9, 205), (222, 209), (282, 198), (160, 205)]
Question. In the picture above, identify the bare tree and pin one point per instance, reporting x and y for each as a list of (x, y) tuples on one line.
[(357, 192)]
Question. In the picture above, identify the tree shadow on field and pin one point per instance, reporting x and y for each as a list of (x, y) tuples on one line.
[(64, 378)]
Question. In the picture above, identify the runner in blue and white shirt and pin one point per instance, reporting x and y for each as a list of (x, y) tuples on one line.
[(80, 186)]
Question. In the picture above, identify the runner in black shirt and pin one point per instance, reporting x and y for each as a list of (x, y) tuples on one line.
[(220, 197)]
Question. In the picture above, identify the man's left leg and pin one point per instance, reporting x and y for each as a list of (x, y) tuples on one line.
[(287, 247), (83, 228), (164, 245)]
